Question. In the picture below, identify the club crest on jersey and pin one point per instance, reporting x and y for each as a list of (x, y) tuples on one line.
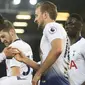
[(52, 30)]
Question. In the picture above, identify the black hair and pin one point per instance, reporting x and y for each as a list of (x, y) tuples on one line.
[(77, 16)]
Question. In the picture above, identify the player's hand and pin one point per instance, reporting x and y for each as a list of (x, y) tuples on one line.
[(10, 52), (36, 78), (20, 56)]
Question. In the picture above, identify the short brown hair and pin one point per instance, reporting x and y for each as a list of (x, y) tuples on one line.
[(48, 7), (5, 25)]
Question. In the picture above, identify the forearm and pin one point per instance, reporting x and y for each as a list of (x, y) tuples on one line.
[(2, 57), (31, 63), (49, 61)]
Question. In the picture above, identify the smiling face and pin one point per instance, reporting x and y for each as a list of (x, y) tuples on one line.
[(39, 19), (5, 38), (72, 26)]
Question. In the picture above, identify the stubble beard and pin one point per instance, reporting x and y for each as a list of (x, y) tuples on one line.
[(41, 25)]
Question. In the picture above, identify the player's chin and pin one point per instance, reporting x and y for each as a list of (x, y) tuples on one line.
[(40, 26)]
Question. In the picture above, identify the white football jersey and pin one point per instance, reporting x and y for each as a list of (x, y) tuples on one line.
[(77, 63), (53, 31), (26, 50)]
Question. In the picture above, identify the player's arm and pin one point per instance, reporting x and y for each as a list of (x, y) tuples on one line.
[(22, 58), (15, 71), (15, 68), (7, 52), (31, 63), (51, 58)]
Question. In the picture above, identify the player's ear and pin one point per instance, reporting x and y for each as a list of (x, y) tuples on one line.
[(45, 15), (11, 32)]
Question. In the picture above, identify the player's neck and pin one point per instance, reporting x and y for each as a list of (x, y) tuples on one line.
[(15, 38), (75, 39), (49, 21)]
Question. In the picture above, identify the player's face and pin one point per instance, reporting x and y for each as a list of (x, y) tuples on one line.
[(39, 17), (72, 27), (5, 38)]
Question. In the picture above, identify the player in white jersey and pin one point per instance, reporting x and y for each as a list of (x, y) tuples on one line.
[(18, 73), (52, 46), (57, 73), (77, 52)]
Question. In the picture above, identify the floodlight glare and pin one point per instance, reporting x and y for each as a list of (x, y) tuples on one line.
[(33, 2), (16, 2), (19, 31)]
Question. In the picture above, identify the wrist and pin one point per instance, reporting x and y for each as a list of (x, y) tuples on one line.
[(24, 59), (38, 73), (38, 76)]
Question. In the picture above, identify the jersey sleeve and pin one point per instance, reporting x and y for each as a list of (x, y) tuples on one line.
[(53, 32), (14, 62), (25, 49)]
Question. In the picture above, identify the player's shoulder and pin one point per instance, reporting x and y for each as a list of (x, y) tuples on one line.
[(52, 27), (20, 43), (53, 24), (82, 41), (22, 46), (82, 45)]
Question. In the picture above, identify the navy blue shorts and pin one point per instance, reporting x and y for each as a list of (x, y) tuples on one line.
[(54, 81)]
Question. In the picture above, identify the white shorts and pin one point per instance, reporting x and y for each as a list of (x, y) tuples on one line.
[(13, 80)]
